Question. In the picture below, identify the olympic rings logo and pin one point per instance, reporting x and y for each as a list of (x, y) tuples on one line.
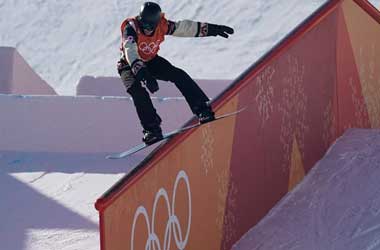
[(150, 48), (173, 226)]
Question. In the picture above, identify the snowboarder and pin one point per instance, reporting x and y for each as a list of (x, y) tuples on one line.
[(141, 64)]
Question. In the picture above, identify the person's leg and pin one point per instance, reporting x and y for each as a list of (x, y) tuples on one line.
[(146, 112), (161, 69)]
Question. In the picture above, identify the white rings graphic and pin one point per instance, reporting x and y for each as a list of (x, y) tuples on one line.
[(150, 48), (173, 227)]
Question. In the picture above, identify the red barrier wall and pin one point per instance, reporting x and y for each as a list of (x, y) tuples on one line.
[(293, 105), (205, 188)]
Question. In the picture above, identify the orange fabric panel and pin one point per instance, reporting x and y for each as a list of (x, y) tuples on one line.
[(364, 34), (291, 100), (200, 164), (352, 107)]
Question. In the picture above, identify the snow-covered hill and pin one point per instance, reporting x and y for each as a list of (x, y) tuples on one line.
[(64, 40), (335, 207)]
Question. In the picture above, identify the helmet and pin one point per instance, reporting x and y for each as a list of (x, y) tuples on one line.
[(150, 15)]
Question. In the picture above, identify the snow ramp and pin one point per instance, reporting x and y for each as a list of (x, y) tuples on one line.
[(17, 77), (335, 207), (207, 187)]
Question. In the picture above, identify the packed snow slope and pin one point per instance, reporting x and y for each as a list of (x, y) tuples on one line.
[(64, 40), (337, 206)]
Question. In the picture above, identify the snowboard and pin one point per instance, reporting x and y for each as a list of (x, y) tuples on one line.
[(167, 136)]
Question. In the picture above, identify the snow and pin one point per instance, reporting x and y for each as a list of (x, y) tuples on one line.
[(64, 40), (50, 204), (336, 206), (47, 201), (53, 166)]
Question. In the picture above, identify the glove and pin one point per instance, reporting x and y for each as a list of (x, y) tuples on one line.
[(142, 75), (219, 30)]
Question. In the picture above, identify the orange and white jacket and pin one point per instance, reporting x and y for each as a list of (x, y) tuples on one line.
[(138, 46)]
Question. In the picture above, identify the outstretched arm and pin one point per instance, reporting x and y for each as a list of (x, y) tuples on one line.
[(188, 28)]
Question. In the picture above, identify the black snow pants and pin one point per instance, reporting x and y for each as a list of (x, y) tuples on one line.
[(161, 69)]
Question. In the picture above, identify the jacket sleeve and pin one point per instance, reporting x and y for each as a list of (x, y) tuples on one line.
[(130, 44), (187, 28)]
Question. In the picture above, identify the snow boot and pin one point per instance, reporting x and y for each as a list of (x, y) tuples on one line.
[(152, 135), (205, 114)]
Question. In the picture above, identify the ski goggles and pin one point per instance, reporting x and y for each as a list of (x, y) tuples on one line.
[(149, 26), (151, 23)]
